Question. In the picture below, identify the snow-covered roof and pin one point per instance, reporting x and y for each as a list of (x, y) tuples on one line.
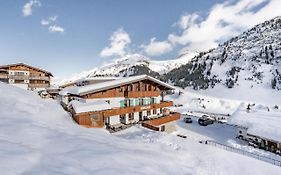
[(26, 65), (97, 105), (260, 122), (82, 90)]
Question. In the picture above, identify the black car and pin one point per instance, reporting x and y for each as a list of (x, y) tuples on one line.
[(204, 121), (187, 120)]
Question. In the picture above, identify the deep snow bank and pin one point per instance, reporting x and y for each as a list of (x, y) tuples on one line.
[(38, 137)]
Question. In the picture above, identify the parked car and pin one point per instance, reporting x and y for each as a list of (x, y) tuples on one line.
[(205, 120), (187, 120)]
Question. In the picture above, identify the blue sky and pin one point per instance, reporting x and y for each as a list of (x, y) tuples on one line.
[(69, 36)]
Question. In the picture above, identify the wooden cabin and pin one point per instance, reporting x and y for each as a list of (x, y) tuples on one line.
[(26, 76), (125, 101)]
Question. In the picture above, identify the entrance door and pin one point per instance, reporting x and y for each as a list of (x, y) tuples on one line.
[(140, 116)]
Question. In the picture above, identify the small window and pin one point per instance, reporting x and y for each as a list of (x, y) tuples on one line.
[(143, 87), (137, 86), (148, 113), (95, 117), (154, 111), (149, 87), (130, 88), (107, 101)]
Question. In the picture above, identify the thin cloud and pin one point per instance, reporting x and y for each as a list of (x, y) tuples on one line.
[(156, 48), (27, 8), (52, 25), (56, 29), (50, 20), (119, 42)]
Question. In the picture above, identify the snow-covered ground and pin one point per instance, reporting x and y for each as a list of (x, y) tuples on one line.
[(38, 137)]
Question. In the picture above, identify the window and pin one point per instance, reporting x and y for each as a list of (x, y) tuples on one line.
[(149, 87), (107, 101), (137, 102), (94, 117), (143, 87), (120, 89), (141, 101), (154, 111), (154, 88), (19, 73), (131, 116), (122, 103), (132, 103), (130, 87), (137, 85), (148, 113), (153, 100)]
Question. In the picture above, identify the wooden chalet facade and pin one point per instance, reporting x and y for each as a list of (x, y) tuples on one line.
[(131, 100), (24, 75), (259, 141)]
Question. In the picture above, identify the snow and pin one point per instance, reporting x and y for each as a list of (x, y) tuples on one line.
[(264, 118), (110, 84), (97, 105), (260, 120), (124, 63), (38, 137)]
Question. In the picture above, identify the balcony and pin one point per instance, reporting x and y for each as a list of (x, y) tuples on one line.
[(4, 76), (162, 120), (39, 78), (18, 77), (131, 109)]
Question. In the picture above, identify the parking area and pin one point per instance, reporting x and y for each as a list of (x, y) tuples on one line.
[(218, 132)]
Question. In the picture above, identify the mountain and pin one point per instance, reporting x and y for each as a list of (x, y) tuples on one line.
[(252, 59), (135, 64)]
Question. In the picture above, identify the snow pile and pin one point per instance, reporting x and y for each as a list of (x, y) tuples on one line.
[(38, 137), (191, 100), (260, 120), (97, 105)]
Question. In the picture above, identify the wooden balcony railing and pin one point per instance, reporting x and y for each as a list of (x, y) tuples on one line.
[(3, 75), (131, 109), (19, 77), (39, 78), (162, 120)]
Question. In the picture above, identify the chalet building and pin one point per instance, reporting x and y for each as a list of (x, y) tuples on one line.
[(25, 76), (261, 142), (121, 102), (260, 127)]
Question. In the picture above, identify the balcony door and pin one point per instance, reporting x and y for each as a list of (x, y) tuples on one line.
[(140, 116)]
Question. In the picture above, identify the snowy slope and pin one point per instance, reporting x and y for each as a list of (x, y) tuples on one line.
[(135, 64), (252, 58), (38, 137)]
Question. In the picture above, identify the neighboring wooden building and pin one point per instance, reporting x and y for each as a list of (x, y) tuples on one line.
[(259, 126), (121, 102), (26, 76), (259, 141)]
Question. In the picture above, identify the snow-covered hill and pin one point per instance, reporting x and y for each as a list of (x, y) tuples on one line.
[(252, 59), (135, 64), (38, 137)]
